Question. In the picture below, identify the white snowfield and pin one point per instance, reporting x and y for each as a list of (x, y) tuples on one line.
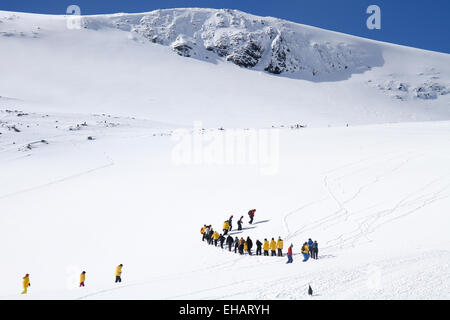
[(89, 176)]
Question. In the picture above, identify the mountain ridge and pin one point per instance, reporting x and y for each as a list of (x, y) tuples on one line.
[(250, 14), (148, 46)]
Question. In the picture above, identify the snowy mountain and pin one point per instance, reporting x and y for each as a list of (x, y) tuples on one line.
[(352, 151), (269, 44), (112, 61)]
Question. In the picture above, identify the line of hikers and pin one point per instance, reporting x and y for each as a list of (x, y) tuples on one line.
[(309, 249), (228, 224), (26, 280)]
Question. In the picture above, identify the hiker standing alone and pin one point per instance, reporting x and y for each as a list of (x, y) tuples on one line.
[(119, 273), (26, 283), (82, 278)]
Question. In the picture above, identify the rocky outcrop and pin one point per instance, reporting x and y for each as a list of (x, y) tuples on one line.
[(273, 45)]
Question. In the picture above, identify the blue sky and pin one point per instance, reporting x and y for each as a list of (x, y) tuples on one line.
[(416, 23)]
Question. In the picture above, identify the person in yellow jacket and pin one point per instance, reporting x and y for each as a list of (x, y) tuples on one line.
[(119, 273), (82, 278), (266, 247), (226, 227), (245, 246), (280, 247), (215, 237), (273, 247), (203, 232), (305, 252), (26, 283)]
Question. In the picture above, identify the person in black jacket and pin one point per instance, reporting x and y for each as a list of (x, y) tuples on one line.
[(210, 239), (229, 242), (236, 244), (258, 248), (241, 245), (249, 245), (240, 223), (221, 240), (230, 222), (315, 250)]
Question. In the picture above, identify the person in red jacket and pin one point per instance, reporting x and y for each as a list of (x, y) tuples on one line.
[(251, 214), (289, 254)]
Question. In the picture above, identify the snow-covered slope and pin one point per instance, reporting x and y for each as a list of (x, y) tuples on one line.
[(375, 197), (88, 177)]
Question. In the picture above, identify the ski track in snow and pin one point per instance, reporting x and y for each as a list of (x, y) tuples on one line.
[(366, 226), (61, 180)]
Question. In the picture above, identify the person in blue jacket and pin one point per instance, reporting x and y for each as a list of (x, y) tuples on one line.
[(315, 250), (310, 244)]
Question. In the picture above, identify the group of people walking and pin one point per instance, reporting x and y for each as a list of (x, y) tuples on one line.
[(310, 249), (242, 246), (26, 280), (228, 224)]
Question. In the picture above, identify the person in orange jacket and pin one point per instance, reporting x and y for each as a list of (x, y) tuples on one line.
[(26, 283), (82, 278)]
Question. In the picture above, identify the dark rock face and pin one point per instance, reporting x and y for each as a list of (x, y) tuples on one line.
[(430, 90), (248, 56), (183, 50), (277, 63), (273, 45)]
